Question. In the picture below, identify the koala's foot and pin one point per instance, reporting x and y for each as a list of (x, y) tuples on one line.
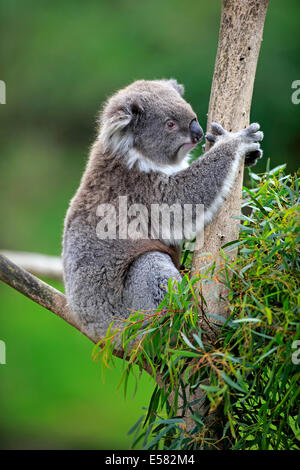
[(248, 138), (147, 281)]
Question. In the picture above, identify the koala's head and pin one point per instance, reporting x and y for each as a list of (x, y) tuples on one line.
[(150, 120)]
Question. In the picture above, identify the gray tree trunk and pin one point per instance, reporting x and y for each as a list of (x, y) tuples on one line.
[(240, 37)]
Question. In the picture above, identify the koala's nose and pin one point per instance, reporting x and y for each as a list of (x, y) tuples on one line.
[(196, 131)]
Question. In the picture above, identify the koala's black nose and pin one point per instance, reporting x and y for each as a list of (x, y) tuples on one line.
[(196, 131)]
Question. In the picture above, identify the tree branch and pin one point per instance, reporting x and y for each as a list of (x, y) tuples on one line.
[(36, 290), (36, 263), (49, 297)]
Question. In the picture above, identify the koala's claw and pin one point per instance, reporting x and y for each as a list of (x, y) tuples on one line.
[(211, 137), (217, 128), (251, 146), (252, 133), (217, 132), (252, 129), (258, 136), (249, 139)]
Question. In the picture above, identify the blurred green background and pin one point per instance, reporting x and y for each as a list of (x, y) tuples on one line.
[(60, 60)]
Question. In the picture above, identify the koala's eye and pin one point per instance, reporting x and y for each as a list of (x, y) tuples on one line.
[(171, 125)]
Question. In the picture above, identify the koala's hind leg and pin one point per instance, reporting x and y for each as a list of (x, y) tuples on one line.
[(147, 281)]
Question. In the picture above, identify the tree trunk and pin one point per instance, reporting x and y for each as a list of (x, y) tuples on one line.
[(240, 37)]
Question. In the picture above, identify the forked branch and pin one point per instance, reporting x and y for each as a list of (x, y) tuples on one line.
[(46, 296), (36, 290)]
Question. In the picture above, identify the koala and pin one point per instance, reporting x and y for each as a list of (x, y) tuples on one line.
[(139, 161)]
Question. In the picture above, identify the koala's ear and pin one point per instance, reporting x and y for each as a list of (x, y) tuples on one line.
[(133, 111), (120, 115), (117, 116), (128, 112), (136, 109), (178, 87)]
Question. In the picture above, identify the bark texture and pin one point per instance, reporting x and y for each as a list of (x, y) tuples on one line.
[(240, 37)]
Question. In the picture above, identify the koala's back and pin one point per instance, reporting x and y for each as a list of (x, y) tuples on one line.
[(85, 262), (106, 280)]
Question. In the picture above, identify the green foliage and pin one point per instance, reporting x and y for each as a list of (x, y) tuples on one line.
[(246, 382)]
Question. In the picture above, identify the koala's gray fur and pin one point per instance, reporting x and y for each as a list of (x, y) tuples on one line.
[(139, 154)]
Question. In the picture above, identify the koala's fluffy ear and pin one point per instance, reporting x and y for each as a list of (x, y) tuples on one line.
[(136, 108), (116, 116), (133, 110), (178, 87), (127, 114)]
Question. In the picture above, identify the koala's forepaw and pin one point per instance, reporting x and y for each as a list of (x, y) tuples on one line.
[(251, 136), (218, 131), (248, 139), (251, 133)]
